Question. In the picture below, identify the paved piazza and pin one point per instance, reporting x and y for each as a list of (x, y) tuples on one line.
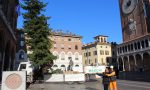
[(91, 85)]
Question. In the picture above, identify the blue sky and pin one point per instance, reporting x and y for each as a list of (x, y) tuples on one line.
[(87, 18)]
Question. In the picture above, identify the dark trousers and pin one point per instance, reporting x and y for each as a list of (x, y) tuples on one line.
[(105, 86)]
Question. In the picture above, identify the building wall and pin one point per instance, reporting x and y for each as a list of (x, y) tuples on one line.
[(8, 23), (21, 55), (133, 54), (65, 47), (140, 15), (89, 56), (98, 52), (104, 59)]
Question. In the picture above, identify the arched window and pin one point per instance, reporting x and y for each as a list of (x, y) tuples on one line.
[(135, 46), (62, 46), (76, 65), (56, 54), (62, 56), (131, 47), (123, 49), (69, 55), (76, 56), (120, 49), (55, 66), (146, 43), (62, 65), (21, 55), (139, 46), (143, 44)]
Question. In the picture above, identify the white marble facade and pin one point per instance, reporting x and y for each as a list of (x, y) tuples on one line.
[(63, 59)]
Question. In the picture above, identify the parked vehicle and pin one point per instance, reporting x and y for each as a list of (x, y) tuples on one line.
[(26, 66)]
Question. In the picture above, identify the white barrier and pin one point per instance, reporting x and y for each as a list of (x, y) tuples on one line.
[(54, 78), (74, 77), (64, 78)]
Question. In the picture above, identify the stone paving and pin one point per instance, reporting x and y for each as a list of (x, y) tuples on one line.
[(92, 85)]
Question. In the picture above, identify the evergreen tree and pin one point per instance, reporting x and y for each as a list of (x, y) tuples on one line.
[(37, 29)]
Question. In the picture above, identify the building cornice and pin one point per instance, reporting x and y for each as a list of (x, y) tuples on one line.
[(74, 36), (132, 40)]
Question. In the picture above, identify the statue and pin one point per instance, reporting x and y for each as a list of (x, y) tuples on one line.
[(70, 67)]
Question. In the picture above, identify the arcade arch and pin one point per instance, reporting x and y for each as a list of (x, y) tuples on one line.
[(132, 63), (139, 61), (126, 63), (120, 62), (146, 61)]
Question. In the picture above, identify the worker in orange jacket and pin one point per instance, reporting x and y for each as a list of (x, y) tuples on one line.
[(112, 75)]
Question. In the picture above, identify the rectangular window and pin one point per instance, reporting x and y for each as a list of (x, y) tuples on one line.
[(69, 39), (106, 52), (62, 58), (89, 61), (89, 53), (85, 54), (85, 62), (22, 35), (76, 58), (69, 47), (101, 52), (62, 46), (95, 52), (95, 60), (22, 43)]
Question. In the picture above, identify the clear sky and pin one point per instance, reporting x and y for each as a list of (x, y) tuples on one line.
[(87, 18)]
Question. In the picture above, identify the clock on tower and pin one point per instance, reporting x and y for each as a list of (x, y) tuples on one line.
[(134, 20)]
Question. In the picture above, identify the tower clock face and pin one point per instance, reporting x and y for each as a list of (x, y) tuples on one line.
[(128, 6)]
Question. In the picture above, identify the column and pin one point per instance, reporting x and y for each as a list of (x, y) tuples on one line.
[(142, 61), (136, 68), (129, 63), (123, 65), (140, 45), (118, 63)]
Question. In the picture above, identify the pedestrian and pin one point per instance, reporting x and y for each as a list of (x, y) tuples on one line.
[(106, 79), (113, 78)]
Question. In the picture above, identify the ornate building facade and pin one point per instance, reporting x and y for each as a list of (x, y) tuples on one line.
[(134, 53), (21, 55), (67, 47), (8, 23), (98, 52)]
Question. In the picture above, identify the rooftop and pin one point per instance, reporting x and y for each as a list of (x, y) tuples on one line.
[(65, 34), (100, 36)]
